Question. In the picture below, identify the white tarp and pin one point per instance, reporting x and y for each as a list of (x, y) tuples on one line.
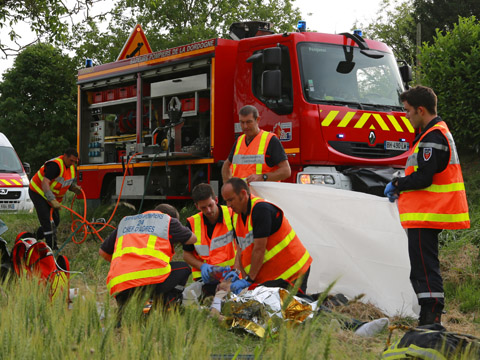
[(353, 237)]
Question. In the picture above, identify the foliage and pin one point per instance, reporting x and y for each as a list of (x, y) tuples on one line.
[(396, 27), (37, 104), (442, 15), (450, 66), (49, 20), (170, 23)]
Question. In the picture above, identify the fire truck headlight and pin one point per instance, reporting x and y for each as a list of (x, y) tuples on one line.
[(305, 179), (317, 179), (323, 179)]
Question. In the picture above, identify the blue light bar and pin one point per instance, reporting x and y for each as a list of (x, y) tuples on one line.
[(88, 63), (302, 26), (358, 32)]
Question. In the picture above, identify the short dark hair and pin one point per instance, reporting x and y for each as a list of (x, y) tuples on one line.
[(247, 110), (238, 185), (421, 96), (202, 192), (168, 209), (71, 151)]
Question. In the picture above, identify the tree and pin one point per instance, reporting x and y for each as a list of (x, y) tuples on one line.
[(396, 27), (37, 104), (170, 23), (450, 66), (442, 15)]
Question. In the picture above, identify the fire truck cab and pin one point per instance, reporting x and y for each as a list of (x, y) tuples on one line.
[(332, 100)]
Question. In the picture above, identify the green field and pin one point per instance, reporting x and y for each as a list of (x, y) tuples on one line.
[(32, 326)]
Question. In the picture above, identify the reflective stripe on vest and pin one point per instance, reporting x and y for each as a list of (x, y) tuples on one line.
[(285, 256), (412, 351), (443, 204), (60, 184), (142, 252), (250, 159), (220, 250)]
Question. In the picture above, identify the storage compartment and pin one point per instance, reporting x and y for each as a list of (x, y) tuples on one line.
[(123, 92), (110, 95), (97, 97), (133, 185)]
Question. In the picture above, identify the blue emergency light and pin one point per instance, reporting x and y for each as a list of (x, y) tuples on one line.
[(302, 26), (88, 63), (358, 32)]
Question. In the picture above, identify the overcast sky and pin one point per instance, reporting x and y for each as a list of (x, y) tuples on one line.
[(329, 16)]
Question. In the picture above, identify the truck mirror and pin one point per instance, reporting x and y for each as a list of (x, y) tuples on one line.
[(406, 73), (26, 167), (272, 56), (272, 84)]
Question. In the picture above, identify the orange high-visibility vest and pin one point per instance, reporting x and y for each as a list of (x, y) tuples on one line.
[(285, 256), (251, 159), (220, 249), (142, 252), (60, 184), (442, 205)]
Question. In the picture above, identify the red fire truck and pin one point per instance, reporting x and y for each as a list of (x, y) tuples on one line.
[(333, 101)]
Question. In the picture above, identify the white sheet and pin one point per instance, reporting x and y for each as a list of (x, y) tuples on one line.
[(353, 237)]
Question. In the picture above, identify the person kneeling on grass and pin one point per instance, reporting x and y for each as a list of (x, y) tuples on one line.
[(140, 253)]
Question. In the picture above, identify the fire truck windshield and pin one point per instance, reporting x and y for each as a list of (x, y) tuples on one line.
[(342, 75)]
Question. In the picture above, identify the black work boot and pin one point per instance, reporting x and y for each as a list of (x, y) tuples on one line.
[(427, 317)]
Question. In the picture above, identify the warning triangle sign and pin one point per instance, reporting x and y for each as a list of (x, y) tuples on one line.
[(136, 45)]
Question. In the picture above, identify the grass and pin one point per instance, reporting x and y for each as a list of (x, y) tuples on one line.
[(32, 326)]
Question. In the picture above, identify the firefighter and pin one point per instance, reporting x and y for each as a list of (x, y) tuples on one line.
[(269, 252), (256, 155), (215, 244), (431, 198), (140, 252), (47, 188)]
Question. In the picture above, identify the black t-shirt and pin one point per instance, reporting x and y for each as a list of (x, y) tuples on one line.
[(274, 155), (52, 170), (266, 219), (177, 233), (433, 156), (210, 228)]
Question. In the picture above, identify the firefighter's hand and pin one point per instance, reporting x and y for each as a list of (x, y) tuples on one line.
[(232, 276), (254, 177), (391, 192), (55, 204), (239, 285), (75, 189), (206, 269)]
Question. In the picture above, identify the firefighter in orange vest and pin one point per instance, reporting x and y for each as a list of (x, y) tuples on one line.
[(140, 251), (269, 251), (215, 246), (256, 155), (431, 198), (47, 188)]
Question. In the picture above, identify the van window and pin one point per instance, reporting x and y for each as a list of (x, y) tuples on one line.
[(9, 161)]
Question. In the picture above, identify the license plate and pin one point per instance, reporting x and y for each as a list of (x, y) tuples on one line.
[(7, 206), (396, 145)]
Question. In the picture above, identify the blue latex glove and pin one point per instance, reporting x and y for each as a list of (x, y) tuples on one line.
[(206, 269), (239, 285), (390, 192), (232, 276)]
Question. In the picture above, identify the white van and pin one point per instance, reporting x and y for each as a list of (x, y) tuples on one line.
[(13, 179)]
